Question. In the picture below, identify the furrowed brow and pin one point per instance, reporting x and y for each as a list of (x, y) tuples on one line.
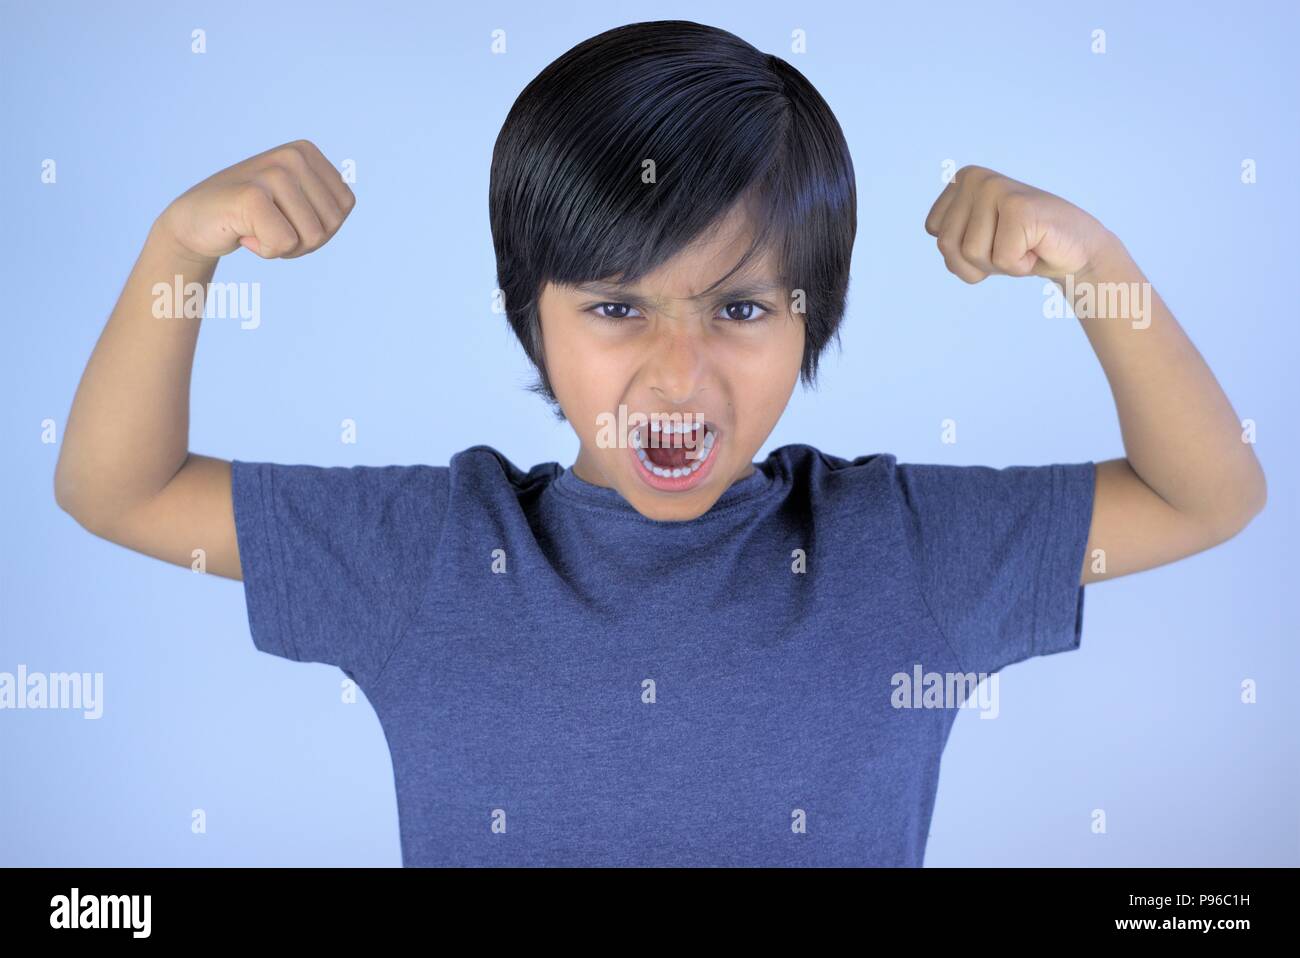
[(745, 291), (623, 294)]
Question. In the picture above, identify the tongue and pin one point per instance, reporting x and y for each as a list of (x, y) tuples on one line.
[(669, 458), (671, 452)]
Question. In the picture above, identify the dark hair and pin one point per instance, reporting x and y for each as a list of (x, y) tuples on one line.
[(724, 124)]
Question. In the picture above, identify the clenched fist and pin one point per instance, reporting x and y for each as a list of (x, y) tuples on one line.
[(282, 203), (988, 223)]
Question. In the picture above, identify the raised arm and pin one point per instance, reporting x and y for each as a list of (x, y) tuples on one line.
[(125, 472), (1187, 481)]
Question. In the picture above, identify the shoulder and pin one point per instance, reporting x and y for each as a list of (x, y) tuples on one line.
[(919, 492), (812, 471), (333, 499), (808, 467), (388, 509), (480, 468), (304, 481), (477, 466)]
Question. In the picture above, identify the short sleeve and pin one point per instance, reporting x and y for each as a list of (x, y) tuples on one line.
[(999, 554), (335, 560)]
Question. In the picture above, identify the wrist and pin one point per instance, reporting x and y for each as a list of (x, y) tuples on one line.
[(1109, 259), (163, 239)]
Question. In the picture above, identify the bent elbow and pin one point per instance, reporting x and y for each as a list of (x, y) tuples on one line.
[(1255, 498), (1247, 505), (64, 491), (69, 496)]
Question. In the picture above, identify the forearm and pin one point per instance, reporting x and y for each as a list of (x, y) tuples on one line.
[(127, 433), (1181, 435)]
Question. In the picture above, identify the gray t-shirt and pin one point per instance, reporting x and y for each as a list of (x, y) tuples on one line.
[(563, 681)]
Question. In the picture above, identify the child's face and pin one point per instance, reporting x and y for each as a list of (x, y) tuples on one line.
[(730, 359)]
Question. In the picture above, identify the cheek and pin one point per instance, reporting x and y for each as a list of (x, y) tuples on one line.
[(582, 374), (561, 351), (772, 377), (773, 366), (792, 355)]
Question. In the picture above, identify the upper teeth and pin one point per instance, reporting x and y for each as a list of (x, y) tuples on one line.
[(656, 426), (704, 448), (659, 437)]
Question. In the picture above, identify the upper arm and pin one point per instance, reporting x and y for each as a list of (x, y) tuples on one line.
[(1133, 528), (192, 512), (997, 554), (336, 560)]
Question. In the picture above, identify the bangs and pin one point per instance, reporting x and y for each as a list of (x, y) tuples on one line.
[(635, 196)]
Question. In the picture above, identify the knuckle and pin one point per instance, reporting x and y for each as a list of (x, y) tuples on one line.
[(1015, 203), (291, 156), (1002, 261), (254, 193), (279, 244), (277, 175)]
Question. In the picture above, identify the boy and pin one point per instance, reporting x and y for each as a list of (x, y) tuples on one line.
[(665, 654)]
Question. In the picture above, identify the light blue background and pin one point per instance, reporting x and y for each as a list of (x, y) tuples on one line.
[(390, 325)]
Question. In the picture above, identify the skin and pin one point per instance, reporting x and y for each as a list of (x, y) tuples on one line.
[(1187, 481), (676, 351), (126, 474)]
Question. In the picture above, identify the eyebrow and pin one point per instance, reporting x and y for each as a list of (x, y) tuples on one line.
[(623, 294)]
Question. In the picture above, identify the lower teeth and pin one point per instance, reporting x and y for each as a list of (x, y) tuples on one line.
[(673, 473)]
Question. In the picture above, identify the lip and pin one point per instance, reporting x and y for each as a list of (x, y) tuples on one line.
[(680, 483)]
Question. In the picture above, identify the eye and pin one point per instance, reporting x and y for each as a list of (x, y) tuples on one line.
[(619, 311), (744, 311)]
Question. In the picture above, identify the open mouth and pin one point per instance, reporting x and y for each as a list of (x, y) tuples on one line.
[(674, 456)]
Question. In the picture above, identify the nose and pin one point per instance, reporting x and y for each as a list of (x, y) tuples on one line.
[(677, 365)]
